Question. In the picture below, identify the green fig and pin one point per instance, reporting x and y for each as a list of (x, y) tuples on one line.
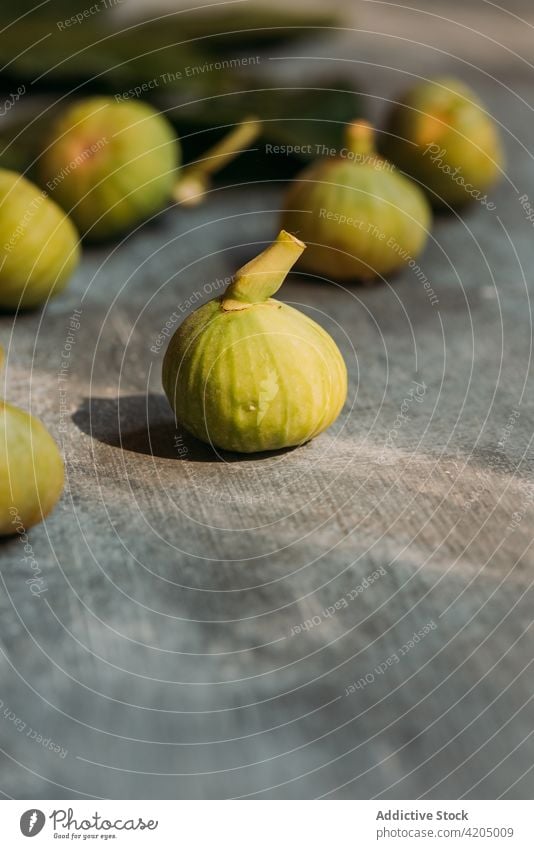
[(39, 246), (113, 164), (359, 217), (248, 373), (441, 135), (31, 470), (110, 164)]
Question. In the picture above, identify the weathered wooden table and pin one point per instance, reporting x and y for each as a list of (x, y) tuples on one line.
[(216, 626)]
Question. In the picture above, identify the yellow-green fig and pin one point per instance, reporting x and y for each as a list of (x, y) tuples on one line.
[(31, 470), (113, 164), (39, 246), (110, 164), (441, 135), (359, 217), (248, 373)]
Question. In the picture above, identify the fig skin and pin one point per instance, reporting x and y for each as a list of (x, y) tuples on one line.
[(440, 129), (39, 245), (110, 165), (31, 470), (254, 376), (359, 216)]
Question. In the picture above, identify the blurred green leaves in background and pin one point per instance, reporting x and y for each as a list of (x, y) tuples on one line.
[(205, 68)]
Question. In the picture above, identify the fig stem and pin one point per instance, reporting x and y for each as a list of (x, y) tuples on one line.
[(360, 138), (260, 278), (194, 179)]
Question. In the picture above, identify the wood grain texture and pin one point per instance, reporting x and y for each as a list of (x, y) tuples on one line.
[(165, 656)]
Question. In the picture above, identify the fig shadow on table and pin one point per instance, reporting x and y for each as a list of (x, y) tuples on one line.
[(145, 424)]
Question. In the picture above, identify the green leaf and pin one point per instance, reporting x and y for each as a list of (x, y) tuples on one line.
[(41, 50)]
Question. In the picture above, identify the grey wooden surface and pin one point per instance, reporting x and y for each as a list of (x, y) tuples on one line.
[(163, 656)]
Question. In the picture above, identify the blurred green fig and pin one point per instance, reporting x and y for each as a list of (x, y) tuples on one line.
[(359, 217), (39, 245), (113, 164), (31, 470), (441, 135), (248, 373), (110, 164)]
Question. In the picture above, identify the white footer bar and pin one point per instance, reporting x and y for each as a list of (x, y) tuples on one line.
[(267, 824)]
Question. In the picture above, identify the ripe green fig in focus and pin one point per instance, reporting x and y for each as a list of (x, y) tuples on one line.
[(110, 164), (441, 135), (359, 217), (31, 470), (39, 246), (248, 373)]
